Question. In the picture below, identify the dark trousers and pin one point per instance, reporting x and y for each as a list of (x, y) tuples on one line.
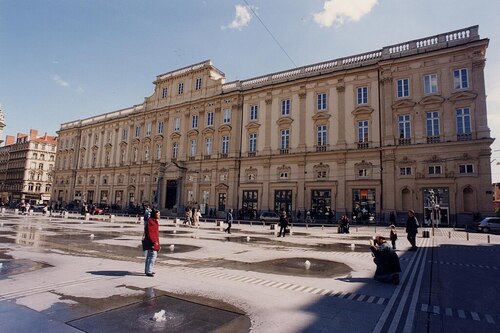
[(282, 229), (393, 244), (228, 229), (411, 238)]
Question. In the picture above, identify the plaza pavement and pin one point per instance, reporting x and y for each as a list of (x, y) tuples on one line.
[(77, 284)]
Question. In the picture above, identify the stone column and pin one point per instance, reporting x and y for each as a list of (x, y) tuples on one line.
[(481, 123), (267, 134), (302, 121), (341, 114)]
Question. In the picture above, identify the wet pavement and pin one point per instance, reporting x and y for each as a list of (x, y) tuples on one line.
[(68, 275)]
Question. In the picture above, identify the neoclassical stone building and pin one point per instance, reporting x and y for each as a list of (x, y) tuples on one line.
[(367, 134)]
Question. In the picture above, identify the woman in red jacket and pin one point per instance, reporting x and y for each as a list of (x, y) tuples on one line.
[(152, 241)]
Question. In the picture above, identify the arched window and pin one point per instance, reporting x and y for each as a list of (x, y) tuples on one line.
[(406, 199), (469, 202)]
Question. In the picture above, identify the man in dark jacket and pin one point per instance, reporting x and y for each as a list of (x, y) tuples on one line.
[(412, 229), (283, 223), (387, 261)]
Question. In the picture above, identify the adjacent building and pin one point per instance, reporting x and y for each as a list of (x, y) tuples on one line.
[(365, 135), (26, 168)]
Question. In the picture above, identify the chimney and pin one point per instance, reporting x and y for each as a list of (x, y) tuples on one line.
[(33, 134), (10, 140)]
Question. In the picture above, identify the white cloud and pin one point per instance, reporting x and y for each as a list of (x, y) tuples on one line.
[(57, 79), (341, 11), (242, 18)]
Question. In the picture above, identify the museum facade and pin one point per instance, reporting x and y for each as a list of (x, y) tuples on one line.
[(365, 135)]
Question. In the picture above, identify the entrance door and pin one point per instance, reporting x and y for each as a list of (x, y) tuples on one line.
[(171, 197)]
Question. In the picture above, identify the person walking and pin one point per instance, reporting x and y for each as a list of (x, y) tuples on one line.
[(196, 217), (393, 236), (229, 220), (412, 226), (151, 242), (386, 259), (283, 223)]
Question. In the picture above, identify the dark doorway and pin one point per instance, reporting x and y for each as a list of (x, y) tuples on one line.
[(171, 196)]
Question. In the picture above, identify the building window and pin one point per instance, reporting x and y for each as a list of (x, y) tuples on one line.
[(210, 119), (158, 151), (321, 135), (285, 139), (254, 112), (137, 131), (227, 116), (285, 107), (35, 156), (404, 125), (146, 153), (403, 88), (177, 124), (432, 124), (197, 84), (466, 168), (362, 95), (160, 127), (30, 187), (321, 174), (221, 207), (175, 150), (434, 170), (47, 188), (460, 79), (252, 142), (463, 124), (362, 131), (96, 139), (148, 129), (283, 175), (180, 89), (362, 173), (193, 148), (405, 171), (430, 84), (107, 158), (124, 134), (194, 121), (225, 145), (208, 146), (321, 99), (250, 202), (164, 93)]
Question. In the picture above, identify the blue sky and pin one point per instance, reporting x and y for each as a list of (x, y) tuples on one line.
[(63, 60)]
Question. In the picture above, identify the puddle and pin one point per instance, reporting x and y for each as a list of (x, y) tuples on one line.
[(318, 268), (174, 232), (177, 248), (18, 266), (183, 313), (341, 247)]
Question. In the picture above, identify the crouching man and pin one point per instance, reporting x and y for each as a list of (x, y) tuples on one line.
[(386, 259)]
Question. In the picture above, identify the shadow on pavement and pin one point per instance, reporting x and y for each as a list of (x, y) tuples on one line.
[(115, 273)]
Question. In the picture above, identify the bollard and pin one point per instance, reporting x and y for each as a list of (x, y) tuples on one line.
[(322, 227), (3, 210), (238, 222), (250, 222), (356, 229), (449, 234), (467, 236), (16, 211), (111, 218), (87, 216), (375, 229), (307, 226), (488, 239)]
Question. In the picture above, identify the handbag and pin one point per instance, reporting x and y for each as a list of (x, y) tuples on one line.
[(146, 244)]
